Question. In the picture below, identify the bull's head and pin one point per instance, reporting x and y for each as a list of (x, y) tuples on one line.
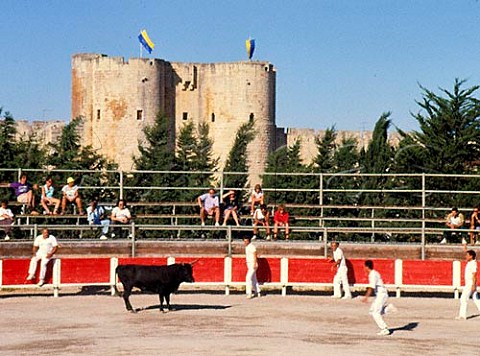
[(188, 273)]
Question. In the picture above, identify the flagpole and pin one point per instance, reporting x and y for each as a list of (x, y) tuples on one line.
[(141, 51)]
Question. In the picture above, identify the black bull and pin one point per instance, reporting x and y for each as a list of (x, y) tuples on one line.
[(163, 280)]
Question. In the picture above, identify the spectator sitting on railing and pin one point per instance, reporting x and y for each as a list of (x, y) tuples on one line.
[(24, 192), (280, 218), (256, 199), (454, 220), (44, 247), (474, 225), (6, 219), (71, 195), (209, 206), (47, 197), (230, 201), (261, 216), (96, 216), (120, 216)]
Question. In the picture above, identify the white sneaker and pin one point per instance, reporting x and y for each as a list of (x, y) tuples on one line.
[(268, 238), (384, 332), (112, 235), (103, 237), (217, 224), (7, 238), (477, 242), (346, 297), (335, 297), (41, 283), (30, 277), (254, 237), (203, 224), (444, 241), (250, 296), (464, 242)]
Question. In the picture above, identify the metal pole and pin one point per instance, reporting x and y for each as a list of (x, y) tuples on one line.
[(133, 239), (121, 184), (423, 216), (229, 238), (373, 225), (320, 199), (325, 242)]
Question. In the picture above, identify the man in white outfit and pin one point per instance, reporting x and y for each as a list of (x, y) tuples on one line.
[(379, 305), (470, 289), (44, 247), (251, 282), (341, 275)]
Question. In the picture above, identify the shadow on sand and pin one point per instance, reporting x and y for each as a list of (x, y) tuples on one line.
[(408, 327), (179, 307)]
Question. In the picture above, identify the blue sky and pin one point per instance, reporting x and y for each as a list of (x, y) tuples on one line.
[(338, 62)]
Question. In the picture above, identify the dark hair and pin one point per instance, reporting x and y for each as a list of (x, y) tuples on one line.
[(4, 201), (23, 175), (336, 243), (369, 264), (472, 253), (124, 202), (48, 178), (263, 206), (455, 209)]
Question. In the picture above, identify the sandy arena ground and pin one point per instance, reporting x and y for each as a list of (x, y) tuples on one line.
[(215, 324)]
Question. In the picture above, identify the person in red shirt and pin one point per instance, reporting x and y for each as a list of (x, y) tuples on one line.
[(280, 219)]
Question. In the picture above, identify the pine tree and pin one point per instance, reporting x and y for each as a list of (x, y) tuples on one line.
[(323, 162), (237, 157), (7, 144)]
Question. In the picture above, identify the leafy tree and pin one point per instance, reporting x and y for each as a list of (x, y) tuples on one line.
[(7, 143), (448, 142), (237, 157), (156, 154), (203, 158), (324, 161)]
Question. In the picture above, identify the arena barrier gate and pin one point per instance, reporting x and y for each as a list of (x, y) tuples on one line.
[(229, 272)]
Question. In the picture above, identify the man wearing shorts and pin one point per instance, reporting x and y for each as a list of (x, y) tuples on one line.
[(209, 206)]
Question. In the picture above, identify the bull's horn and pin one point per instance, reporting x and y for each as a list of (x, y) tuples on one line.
[(193, 262)]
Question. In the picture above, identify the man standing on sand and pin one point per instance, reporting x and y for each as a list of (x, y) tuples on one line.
[(341, 275), (44, 247), (379, 305), (470, 289), (251, 283)]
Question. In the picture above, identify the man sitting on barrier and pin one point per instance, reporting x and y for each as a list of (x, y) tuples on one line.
[(209, 206), (120, 216), (96, 216), (44, 247), (454, 221)]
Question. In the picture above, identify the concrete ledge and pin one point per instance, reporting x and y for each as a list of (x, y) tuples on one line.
[(124, 248)]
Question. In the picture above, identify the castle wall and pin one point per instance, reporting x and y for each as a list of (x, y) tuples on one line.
[(227, 95), (109, 92), (117, 99)]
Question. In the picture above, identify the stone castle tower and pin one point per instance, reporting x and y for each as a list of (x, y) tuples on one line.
[(118, 98)]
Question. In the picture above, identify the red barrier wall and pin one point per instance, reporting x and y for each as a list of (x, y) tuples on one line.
[(428, 272), (268, 270), (147, 261), (15, 272), (309, 270), (85, 270), (206, 269)]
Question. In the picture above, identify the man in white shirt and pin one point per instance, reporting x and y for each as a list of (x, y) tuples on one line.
[(379, 305), (120, 216), (470, 289), (251, 282), (341, 273), (6, 219), (209, 206), (44, 247), (71, 195)]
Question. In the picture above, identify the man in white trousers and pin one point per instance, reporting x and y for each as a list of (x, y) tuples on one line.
[(470, 289), (379, 305), (44, 247), (341, 275), (252, 286)]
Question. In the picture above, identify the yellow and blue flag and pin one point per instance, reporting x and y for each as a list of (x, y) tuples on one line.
[(250, 45), (146, 41)]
